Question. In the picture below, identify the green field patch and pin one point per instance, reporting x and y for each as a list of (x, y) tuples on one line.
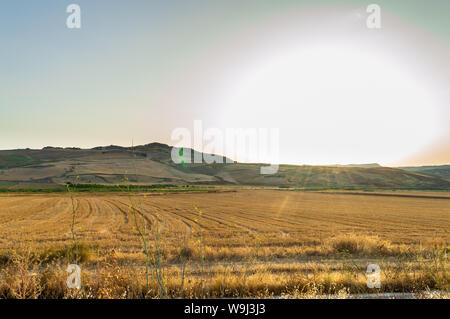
[(15, 160), (7, 184), (98, 188)]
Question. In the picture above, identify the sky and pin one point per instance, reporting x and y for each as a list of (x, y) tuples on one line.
[(337, 91)]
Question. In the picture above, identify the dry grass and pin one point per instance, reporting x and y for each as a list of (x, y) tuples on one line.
[(110, 278), (247, 243)]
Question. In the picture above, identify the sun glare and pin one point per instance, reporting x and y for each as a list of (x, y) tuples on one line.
[(336, 104)]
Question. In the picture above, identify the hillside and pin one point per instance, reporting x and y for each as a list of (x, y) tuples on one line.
[(440, 170), (152, 164)]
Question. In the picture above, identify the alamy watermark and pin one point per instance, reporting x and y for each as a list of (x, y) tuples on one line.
[(373, 276), (373, 21), (74, 19), (74, 279), (254, 145)]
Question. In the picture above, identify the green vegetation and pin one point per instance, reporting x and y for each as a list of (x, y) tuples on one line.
[(97, 188), (7, 184), (82, 253), (16, 160)]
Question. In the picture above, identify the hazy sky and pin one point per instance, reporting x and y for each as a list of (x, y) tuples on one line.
[(136, 70)]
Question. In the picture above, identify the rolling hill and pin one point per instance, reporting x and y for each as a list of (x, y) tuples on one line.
[(439, 171), (152, 164)]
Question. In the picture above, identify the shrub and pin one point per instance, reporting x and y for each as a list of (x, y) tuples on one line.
[(363, 244), (52, 254)]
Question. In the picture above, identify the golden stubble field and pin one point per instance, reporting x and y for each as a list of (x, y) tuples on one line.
[(239, 242)]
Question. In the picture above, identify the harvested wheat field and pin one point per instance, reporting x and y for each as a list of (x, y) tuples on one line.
[(232, 242)]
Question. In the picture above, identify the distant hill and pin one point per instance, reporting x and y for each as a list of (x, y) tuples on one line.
[(152, 164), (358, 165), (439, 171)]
